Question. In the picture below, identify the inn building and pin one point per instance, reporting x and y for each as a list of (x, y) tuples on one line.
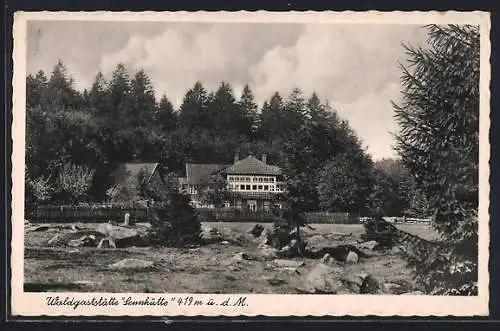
[(254, 185)]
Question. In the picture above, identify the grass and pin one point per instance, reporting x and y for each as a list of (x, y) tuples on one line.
[(205, 269)]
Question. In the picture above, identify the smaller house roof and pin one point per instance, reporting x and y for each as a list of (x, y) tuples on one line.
[(200, 173), (254, 166)]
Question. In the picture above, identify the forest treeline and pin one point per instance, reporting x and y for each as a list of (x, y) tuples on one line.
[(76, 139)]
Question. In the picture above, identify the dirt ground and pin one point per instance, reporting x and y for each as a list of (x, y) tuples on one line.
[(210, 268)]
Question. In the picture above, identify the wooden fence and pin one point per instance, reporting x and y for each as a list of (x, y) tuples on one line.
[(115, 213)]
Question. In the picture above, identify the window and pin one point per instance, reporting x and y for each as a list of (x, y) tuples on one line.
[(254, 187), (266, 187), (260, 187), (248, 187), (242, 187)]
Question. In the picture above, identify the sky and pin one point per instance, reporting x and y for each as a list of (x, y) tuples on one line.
[(353, 66)]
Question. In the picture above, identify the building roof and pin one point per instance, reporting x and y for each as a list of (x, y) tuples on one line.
[(200, 173), (252, 166)]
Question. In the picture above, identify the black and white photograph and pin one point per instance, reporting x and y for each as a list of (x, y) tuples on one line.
[(236, 157)]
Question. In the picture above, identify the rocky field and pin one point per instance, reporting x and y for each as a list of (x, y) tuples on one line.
[(231, 260)]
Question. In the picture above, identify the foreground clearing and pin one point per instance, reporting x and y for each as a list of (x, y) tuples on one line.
[(206, 269)]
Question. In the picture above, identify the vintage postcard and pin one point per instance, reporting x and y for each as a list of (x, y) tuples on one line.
[(250, 163)]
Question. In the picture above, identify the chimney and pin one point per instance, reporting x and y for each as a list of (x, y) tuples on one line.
[(264, 158), (236, 157)]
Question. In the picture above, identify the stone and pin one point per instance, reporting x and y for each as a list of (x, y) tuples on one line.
[(285, 251), (85, 241), (274, 281), (233, 268), (241, 257), (292, 270), (131, 264), (265, 237), (369, 245), (327, 259), (288, 263), (352, 257), (39, 228), (323, 279), (392, 288), (256, 230), (107, 242), (123, 236), (54, 240), (268, 252), (361, 283)]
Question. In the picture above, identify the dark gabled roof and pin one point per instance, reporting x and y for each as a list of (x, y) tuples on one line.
[(254, 166), (200, 173)]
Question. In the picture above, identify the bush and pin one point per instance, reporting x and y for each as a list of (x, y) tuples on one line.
[(380, 232), (174, 222)]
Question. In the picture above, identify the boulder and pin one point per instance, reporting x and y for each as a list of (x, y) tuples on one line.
[(39, 228), (361, 283), (288, 263), (123, 236), (323, 279), (54, 240), (131, 264), (107, 242), (275, 281), (369, 245), (352, 257), (392, 288), (268, 252), (85, 241), (256, 230), (240, 257), (327, 259), (265, 237)]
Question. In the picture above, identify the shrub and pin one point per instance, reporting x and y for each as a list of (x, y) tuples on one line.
[(174, 222)]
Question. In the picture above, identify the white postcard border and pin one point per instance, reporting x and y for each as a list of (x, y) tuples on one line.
[(35, 304)]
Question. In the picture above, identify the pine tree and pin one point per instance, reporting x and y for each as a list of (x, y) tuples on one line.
[(35, 88), (271, 119), (193, 110), (249, 108), (143, 100), (60, 93), (97, 94), (439, 144), (167, 117)]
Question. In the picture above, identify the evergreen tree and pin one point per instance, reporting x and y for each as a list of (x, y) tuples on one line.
[(271, 119), (143, 100), (97, 94), (167, 118), (35, 88), (249, 108), (60, 93), (193, 110), (439, 144)]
